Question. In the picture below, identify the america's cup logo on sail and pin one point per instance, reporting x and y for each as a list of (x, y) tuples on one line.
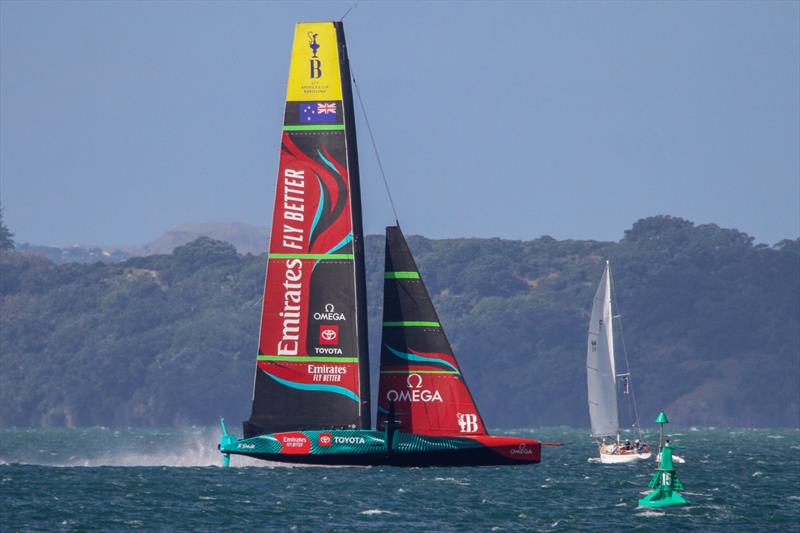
[(315, 63)]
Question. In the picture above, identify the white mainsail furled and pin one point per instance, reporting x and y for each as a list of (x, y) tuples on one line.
[(600, 367)]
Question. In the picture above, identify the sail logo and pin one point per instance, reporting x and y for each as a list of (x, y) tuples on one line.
[(522, 449), (330, 314), (414, 392), (325, 439), (293, 207), (411, 379), (290, 315), (327, 373), (314, 63), (467, 422), (329, 334)]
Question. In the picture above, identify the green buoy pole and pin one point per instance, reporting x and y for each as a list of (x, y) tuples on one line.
[(661, 420), (665, 482)]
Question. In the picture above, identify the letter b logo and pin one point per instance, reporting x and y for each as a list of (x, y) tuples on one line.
[(467, 423), (316, 68)]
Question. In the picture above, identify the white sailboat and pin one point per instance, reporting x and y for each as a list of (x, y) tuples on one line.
[(601, 377)]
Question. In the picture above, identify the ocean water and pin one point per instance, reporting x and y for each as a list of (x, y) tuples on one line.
[(64, 480)]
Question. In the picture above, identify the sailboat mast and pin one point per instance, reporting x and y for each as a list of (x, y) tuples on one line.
[(358, 234)]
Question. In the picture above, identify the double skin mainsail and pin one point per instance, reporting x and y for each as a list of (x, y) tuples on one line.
[(312, 368)]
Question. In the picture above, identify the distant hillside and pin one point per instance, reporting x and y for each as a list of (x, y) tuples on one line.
[(245, 237), (711, 323), (79, 253)]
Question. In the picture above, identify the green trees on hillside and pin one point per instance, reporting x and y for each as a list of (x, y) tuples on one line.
[(171, 339), (6, 241)]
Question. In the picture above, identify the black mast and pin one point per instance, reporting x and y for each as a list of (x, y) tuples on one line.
[(358, 230)]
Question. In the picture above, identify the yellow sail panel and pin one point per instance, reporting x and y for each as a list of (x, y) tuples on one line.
[(314, 72)]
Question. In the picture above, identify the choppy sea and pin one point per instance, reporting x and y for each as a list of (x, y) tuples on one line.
[(171, 479)]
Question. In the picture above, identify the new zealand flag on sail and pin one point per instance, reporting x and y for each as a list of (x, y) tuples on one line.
[(318, 113)]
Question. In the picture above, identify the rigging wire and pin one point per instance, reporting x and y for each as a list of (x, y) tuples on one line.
[(625, 354), (375, 147), (348, 11)]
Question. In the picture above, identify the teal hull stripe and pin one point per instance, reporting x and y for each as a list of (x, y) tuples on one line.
[(317, 388), (419, 359)]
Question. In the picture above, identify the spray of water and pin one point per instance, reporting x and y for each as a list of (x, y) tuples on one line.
[(98, 447), (190, 447)]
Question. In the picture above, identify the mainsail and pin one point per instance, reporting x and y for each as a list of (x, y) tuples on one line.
[(312, 369), (419, 373), (600, 366)]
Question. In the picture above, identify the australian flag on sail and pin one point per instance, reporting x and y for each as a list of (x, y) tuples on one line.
[(318, 113)]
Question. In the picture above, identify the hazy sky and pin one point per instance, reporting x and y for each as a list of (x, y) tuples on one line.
[(121, 120)]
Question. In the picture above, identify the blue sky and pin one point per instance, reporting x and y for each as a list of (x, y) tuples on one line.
[(120, 120)]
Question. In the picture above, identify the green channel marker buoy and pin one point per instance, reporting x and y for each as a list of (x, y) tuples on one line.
[(665, 482)]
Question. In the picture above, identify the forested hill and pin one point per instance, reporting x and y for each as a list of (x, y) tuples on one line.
[(711, 328)]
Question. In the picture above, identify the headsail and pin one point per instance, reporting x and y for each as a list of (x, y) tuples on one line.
[(600, 366), (312, 370), (419, 372)]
